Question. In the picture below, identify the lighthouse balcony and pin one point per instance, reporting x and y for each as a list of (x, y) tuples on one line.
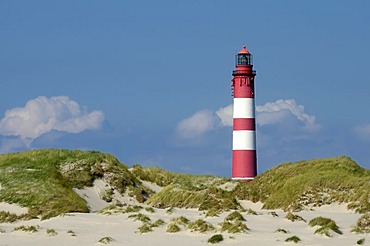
[(242, 73)]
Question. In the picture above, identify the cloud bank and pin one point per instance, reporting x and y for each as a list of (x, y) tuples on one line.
[(42, 115), (197, 124), (270, 113)]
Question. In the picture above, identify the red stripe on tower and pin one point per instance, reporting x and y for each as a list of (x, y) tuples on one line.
[(244, 166)]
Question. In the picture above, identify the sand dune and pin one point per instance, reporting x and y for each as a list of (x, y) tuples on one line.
[(90, 228)]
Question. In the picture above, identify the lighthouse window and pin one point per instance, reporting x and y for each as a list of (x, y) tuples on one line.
[(244, 59)]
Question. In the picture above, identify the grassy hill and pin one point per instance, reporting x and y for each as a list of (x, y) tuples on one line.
[(43, 181), (293, 186)]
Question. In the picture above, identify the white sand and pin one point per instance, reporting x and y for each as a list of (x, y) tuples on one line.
[(12, 208), (90, 228)]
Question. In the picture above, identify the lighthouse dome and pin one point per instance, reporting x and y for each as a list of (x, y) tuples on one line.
[(244, 50)]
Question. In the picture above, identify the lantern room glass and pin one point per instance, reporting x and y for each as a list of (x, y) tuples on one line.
[(244, 59)]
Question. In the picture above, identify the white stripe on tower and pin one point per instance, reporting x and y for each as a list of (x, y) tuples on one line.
[(243, 108)]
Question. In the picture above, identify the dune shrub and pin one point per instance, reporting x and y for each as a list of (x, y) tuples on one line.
[(363, 224), (293, 239), (326, 225), (200, 226), (216, 238), (172, 228), (294, 217), (106, 240)]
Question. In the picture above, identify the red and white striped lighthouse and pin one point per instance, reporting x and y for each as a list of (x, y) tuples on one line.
[(244, 126)]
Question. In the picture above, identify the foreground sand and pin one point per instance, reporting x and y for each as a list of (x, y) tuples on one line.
[(88, 229)]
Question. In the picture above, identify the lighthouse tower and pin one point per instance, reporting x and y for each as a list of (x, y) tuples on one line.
[(244, 126)]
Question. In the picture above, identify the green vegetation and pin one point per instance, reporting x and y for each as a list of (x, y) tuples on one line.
[(107, 195), (106, 240), (157, 223), (187, 191), (292, 186), (294, 217), (235, 216), (361, 241), (133, 209), (149, 209), (174, 225), (172, 228), (210, 198), (31, 229), (234, 227), (72, 233), (200, 226), (216, 238), (326, 225), (233, 223), (251, 212), (51, 232), (363, 224), (293, 239), (145, 228), (182, 220), (42, 180), (6, 217), (280, 230), (140, 217), (164, 178), (274, 214), (213, 212)]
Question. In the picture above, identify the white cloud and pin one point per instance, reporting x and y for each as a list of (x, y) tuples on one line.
[(362, 131), (276, 112), (42, 115), (226, 115), (197, 124)]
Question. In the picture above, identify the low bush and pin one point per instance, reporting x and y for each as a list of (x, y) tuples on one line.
[(200, 226), (158, 223), (213, 212), (216, 238), (72, 233), (172, 228), (280, 230), (31, 229), (149, 209), (251, 212), (294, 217), (106, 240), (182, 220), (51, 232), (145, 228), (361, 241), (140, 217), (235, 216), (326, 225), (293, 239), (233, 227), (133, 209), (363, 224)]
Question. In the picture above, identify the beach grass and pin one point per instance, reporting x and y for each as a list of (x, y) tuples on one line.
[(325, 226), (295, 186)]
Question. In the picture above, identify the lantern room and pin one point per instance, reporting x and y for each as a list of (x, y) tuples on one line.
[(244, 58)]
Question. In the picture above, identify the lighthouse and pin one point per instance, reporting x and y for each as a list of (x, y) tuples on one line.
[(244, 158)]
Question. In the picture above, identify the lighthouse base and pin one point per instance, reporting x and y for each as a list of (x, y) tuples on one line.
[(244, 165)]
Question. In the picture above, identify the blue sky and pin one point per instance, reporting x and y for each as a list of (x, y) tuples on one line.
[(149, 81)]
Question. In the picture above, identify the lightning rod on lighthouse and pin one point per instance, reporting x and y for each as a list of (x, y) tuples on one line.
[(244, 157)]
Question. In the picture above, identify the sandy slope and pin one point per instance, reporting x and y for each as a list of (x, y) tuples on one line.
[(90, 228)]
